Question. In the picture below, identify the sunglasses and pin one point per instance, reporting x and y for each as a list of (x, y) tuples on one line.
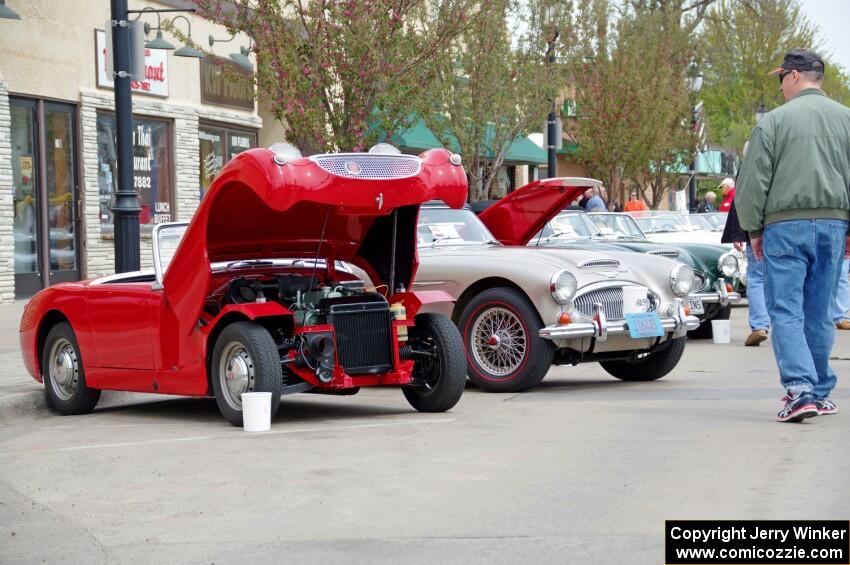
[(784, 74)]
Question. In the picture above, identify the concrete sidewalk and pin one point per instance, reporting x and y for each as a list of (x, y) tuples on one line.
[(19, 393)]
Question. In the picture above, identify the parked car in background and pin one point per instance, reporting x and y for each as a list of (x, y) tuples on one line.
[(717, 220), (716, 268), (253, 295), (672, 227), (521, 309)]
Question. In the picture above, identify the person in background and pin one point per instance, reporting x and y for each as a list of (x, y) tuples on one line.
[(841, 305), (707, 205), (588, 194), (596, 202), (635, 204), (756, 307), (794, 202), (728, 187)]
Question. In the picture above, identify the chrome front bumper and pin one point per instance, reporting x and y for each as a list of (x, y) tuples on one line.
[(600, 328), (719, 296)]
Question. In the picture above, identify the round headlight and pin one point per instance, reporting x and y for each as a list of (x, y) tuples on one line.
[(563, 287), (682, 280), (728, 265)]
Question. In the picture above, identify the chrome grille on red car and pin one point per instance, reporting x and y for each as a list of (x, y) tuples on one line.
[(369, 166)]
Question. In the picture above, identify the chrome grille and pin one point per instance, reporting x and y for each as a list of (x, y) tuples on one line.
[(598, 263), (673, 253), (611, 299), (369, 166), (701, 282)]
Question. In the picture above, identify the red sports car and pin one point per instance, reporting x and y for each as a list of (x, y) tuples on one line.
[(258, 292)]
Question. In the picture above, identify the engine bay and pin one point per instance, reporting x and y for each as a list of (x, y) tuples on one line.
[(360, 336)]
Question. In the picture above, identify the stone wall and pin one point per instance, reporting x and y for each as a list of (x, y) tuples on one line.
[(99, 250), (7, 207)]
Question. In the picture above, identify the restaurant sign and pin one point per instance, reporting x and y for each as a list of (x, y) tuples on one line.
[(224, 83), (155, 81)]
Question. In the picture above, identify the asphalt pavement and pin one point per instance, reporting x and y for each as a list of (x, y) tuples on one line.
[(584, 469)]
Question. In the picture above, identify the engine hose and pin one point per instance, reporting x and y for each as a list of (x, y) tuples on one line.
[(405, 352)]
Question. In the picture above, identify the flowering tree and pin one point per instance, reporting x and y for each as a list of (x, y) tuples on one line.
[(743, 40), (339, 73), (492, 84), (634, 107)]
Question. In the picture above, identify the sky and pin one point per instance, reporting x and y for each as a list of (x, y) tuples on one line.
[(831, 16)]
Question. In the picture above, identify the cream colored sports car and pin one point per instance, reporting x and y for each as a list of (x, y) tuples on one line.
[(522, 309)]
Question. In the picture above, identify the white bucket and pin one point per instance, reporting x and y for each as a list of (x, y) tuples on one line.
[(721, 331), (634, 299), (256, 411)]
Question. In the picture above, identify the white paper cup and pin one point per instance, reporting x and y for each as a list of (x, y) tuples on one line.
[(634, 299), (721, 331), (256, 411)]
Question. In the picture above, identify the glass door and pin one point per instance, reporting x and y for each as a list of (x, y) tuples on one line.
[(27, 199), (61, 188), (44, 173)]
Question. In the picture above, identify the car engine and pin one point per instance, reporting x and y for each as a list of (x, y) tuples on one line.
[(361, 336)]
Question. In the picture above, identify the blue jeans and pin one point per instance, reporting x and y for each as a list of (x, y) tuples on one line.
[(842, 295), (759, 320), (802, 263)]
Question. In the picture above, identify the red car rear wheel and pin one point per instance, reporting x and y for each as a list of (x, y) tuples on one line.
[(62, 371)]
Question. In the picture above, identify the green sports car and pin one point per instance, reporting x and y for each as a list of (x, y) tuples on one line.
[(717, 268)]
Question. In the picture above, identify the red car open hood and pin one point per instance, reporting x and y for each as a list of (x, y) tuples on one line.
[(517, 217), (336, 206)]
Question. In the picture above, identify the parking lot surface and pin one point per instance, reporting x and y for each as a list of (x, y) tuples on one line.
[(584, 469)]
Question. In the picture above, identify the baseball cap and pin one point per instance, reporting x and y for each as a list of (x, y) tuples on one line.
[(800, 60), (726, 182)]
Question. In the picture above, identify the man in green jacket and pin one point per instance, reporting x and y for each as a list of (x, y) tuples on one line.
[(793, 197)]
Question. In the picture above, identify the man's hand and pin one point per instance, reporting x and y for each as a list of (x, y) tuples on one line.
[(847, 247), (738, 245), (758, 250)]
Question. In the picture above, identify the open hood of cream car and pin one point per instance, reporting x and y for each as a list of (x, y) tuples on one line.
[(517, 217)]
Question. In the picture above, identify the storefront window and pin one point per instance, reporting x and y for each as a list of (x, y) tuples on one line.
[(152, 170), (214, 153)]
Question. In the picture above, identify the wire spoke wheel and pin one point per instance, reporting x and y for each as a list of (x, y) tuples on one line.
[(64, 369), (498, 341), (236, 371)]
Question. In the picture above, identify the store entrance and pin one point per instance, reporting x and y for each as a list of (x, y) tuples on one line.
[(44, 174)]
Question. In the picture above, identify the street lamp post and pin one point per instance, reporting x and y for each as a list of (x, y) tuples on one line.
[(695, 79), (552, 121), (126, 207)]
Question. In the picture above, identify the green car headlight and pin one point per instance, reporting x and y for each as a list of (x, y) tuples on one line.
[(728, 265), (563, 286), (682, 280)]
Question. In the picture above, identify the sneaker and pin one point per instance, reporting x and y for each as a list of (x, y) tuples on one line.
[(797, 408), (755, 338), (843, 325), (825, 407)]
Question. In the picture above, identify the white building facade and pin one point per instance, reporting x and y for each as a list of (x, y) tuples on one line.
[(57, 138)]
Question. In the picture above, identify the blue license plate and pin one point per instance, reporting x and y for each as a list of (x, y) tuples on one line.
[(644, 324)]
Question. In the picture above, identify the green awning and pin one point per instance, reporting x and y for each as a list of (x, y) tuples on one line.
[(418, 137), (523, 150)]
